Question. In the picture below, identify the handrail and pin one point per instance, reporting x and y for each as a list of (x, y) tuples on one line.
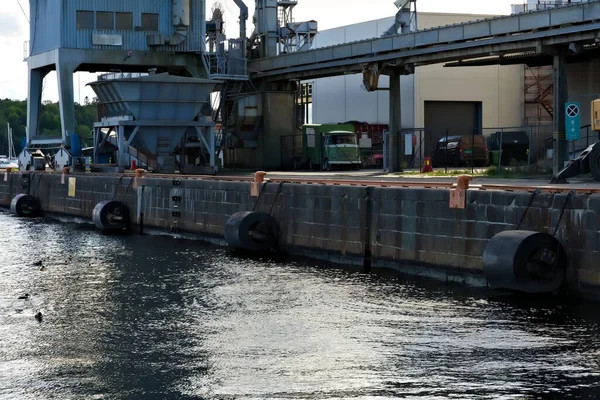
[(596, 137), (352, 181)]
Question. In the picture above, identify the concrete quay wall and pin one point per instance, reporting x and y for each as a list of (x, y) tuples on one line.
[(413, 231)]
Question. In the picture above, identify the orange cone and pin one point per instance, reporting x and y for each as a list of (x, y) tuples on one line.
[(427, 165)]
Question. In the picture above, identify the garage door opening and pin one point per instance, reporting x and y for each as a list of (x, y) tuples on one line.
[(451, 117)]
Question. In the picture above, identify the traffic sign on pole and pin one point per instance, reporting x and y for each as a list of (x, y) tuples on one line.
[(572, 121)]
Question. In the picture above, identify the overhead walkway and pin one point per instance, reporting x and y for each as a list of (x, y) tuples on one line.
[(537, 33)]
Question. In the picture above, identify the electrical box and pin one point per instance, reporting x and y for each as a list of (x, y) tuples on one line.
[(596, 115)]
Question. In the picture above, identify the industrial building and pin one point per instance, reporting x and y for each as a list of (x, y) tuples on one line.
[(439, 100), (180, 55), (435, 99), (488, 96)]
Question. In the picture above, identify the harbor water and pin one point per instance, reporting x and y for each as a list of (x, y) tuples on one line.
[(155, 317)]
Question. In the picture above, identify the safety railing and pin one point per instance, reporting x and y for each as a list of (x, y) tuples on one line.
[(546, 4), (112, 75), (222, 65), (410, 146), (228, 61), (575, 147), (472, 149), (518, 147)]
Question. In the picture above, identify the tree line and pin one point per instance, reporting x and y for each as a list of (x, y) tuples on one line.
[(14, 112)]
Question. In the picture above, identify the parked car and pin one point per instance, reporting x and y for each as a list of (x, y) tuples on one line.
[(461, 150), (373, 160)]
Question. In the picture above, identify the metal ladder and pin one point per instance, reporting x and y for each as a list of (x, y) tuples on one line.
[(225, 112), (163, 145)]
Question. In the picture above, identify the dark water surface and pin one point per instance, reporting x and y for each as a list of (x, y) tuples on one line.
[(151, 317)]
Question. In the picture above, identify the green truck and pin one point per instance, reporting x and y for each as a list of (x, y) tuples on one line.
[(325, 146)]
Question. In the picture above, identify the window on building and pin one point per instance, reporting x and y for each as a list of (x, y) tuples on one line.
[(149, 22), (105, 20), (306, 89), (85, 20), (124, 21)]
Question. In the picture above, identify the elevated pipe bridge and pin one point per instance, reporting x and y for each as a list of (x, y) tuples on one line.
[(537, 32)]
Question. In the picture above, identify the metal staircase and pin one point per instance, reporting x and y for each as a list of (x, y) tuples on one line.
[(163, 149), (539, 95), (144, 159), (225, 114)]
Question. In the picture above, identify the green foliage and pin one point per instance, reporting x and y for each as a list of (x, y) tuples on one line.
[(441, 172), (15, 113)]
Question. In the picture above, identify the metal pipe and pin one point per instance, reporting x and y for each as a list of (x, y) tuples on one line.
[(243, 17)]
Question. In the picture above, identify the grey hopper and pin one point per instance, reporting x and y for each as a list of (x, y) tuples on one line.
[(160, 104)]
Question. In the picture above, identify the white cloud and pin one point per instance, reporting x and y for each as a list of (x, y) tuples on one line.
[(14, 31)]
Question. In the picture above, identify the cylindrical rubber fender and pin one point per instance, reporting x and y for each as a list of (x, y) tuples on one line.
[(252, 231), (525, 261), (25, 205), (594, 161), (111, 215)]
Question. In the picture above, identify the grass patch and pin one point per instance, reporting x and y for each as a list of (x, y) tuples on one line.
[(442, 173), (491, 172), (507, 173)]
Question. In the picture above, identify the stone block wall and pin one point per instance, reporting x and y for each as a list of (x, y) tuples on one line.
[(409, 230), (54, 197)]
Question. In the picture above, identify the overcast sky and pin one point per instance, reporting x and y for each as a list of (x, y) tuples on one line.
[(14, 31)]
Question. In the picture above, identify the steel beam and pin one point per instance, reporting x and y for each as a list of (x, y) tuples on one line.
[(560, 151), (428, 56), (121, 147), (66, 96), (505, 27), (311, 63), (45, 140), (34, 103), (208, 144), (133, 134), (395, 109)]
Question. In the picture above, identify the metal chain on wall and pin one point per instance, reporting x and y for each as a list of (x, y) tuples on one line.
[(531, 198)]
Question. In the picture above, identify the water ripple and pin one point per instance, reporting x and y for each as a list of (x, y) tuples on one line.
[(156, 317)]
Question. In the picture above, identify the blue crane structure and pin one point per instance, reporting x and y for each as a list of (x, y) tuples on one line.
[(257, 75)]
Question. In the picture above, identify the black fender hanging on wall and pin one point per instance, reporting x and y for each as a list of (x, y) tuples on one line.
[(25, 205), (111, 216), (525, 261), (252, 231)]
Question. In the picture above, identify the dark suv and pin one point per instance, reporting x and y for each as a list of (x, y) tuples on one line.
[(462, 150)]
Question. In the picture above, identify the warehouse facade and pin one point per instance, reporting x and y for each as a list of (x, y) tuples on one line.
[(436, 100)]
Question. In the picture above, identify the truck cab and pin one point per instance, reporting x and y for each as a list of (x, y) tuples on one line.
[(327, 146)]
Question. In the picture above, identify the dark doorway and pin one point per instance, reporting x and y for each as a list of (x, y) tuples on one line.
[(455, 117)]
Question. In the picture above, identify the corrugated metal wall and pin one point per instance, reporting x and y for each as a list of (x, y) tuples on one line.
[(44, 29), (50, 25), (341, 98)]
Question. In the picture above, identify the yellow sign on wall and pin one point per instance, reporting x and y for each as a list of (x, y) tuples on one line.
[(72, 182)]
